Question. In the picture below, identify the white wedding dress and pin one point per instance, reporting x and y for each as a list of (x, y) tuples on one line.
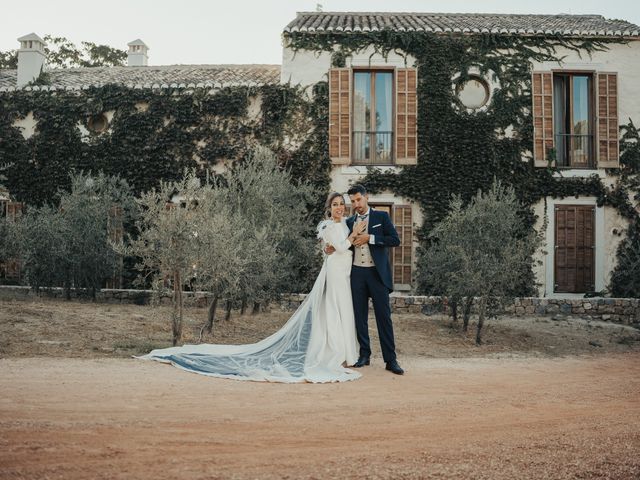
[(311, 347)]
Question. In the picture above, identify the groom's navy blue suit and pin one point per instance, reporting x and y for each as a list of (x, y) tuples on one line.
[(375, 283)]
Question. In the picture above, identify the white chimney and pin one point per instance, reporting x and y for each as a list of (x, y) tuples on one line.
[(137, 55), (31, 58)]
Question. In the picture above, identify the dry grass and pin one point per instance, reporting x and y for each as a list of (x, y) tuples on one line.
[(90, 330)]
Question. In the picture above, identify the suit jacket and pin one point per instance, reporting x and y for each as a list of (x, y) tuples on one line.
[(385, 235)]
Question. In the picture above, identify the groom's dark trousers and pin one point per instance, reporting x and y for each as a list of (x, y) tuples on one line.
[(365, 284), (376, 283)]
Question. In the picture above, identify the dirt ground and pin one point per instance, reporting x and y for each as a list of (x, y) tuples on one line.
[(88, 330), (537, 400)]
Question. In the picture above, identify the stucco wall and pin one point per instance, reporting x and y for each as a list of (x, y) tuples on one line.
[(308, 68)]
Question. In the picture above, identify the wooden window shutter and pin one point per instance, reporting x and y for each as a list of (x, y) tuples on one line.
[(406, 116), (542, 93), (402, 255), (340, 116), (607, 113)]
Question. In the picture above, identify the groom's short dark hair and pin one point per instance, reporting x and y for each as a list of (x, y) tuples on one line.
[(357, 188)]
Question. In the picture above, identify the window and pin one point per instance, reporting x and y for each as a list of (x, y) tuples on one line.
[(372, 117), (474, 92), (573, 120), (98, 123)]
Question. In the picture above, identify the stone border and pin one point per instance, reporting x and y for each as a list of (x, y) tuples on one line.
[(619, 310)]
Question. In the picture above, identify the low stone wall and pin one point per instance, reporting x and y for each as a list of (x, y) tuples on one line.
[(106, 295), (620, 310)]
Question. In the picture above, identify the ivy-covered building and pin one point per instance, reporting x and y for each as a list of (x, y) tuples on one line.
[(442, 103), (417, 106)]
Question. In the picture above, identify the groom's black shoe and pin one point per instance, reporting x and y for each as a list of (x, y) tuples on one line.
[(362, 361), (394, 367)]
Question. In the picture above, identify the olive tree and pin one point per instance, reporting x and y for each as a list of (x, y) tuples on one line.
[(221, 245), (481, 250), (68, 244), (256, 236), (165, 239), (281, 244)]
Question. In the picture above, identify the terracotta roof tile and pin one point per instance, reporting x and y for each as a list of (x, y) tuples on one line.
[(165, 76), (567, 25)]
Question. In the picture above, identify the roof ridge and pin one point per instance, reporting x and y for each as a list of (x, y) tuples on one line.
[(588, 15), (565, 24), (161, 76), (203, 66)]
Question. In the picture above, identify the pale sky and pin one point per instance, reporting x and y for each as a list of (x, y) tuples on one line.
[(235, 31)]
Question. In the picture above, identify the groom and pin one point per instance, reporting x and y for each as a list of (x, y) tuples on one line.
[(371, 277)]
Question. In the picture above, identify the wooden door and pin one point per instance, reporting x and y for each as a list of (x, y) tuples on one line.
[(574, 248)]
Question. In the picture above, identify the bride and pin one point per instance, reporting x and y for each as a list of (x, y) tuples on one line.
[(315, 344)]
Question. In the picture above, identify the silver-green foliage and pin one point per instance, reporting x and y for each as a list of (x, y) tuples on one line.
[(481, 250), (240, 236), (68, 245)]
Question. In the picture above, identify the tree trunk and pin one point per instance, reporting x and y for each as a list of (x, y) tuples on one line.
[(454, 311), (481, 314), (177, 308), (211, 315), (227, 317), (466, 313), (256, 308), (244, 306)]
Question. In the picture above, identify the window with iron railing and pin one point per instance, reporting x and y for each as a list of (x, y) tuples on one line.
[(573, 120), (372, 117)]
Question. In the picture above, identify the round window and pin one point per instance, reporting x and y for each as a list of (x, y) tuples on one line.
[(98, 123), (473, 93)]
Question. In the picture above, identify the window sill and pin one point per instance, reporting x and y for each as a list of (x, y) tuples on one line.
[(362, 169), (579, 172)]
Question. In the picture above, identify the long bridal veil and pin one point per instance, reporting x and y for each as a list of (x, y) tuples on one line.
[(299, 352)]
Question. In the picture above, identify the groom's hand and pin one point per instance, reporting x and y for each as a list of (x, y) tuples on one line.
[(361, 239)]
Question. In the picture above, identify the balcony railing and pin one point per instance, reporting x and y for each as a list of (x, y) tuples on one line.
[(372, 148), (574, 150)]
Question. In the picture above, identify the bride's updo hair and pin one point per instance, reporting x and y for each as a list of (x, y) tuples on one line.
[(327, 205)]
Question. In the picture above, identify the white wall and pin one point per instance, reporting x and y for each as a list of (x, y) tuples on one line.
[(308, 68)]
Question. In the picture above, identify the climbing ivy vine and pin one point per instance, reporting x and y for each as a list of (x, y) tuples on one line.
[(461, 152), (156, 134)]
